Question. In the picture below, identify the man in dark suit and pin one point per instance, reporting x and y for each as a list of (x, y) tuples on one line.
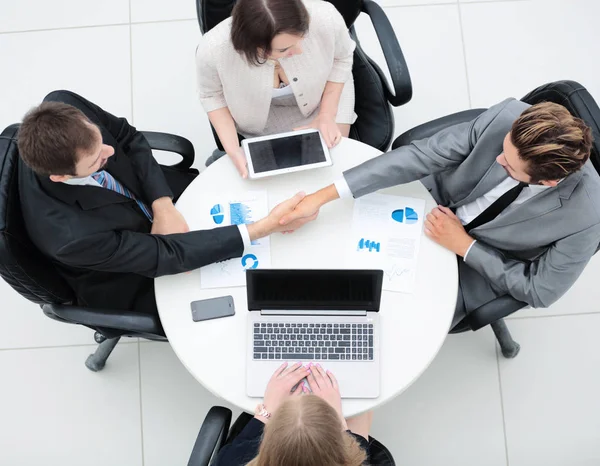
[(97, 203)]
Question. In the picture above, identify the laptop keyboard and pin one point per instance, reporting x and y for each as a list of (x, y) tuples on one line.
[(298, 342)]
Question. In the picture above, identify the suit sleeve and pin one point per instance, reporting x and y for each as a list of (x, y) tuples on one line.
[(136, 148), (446, 149), (541, 282), (152, 255)]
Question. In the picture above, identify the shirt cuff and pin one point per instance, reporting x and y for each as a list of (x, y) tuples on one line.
[(245, 236), (467, 253), (341, 185)]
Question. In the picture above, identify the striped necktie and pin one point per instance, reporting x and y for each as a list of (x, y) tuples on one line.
[(108, 181)]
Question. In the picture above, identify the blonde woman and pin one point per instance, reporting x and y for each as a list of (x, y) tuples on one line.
[(301, 427), (276, 66)]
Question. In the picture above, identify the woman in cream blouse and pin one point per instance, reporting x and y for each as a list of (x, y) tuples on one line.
[(275, 66)]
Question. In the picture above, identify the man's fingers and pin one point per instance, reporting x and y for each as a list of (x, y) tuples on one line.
[(447, 211), (436, 212)]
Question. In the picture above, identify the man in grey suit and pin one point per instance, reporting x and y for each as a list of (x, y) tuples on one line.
[(518, 199)]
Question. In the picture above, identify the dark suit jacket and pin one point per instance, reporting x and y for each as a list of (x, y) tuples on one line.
[(99, 240)]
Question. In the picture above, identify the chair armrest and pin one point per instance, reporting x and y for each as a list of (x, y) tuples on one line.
[(211, 437), (172, 143), (432, 127), (392, 53), (135, 322), (496, 309)]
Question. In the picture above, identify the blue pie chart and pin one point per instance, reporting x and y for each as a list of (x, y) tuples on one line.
[(217, 214), (250, 261), (407, 215)]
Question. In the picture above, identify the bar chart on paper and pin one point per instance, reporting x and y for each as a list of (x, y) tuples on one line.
[(241, 210)]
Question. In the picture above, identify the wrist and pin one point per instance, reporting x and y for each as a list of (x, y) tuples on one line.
[(162, 204), (262, 413), (231, 149), (260, 229), (326, 195), (464, 245)]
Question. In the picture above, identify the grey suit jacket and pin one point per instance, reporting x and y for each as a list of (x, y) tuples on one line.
[(535, 251)]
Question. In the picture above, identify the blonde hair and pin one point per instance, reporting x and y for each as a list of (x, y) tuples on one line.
[(307, 431), (552, 141)]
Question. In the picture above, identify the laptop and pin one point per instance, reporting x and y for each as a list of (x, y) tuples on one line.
[(322, 316)]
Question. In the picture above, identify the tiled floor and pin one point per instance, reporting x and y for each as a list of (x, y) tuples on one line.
[(470, 408)]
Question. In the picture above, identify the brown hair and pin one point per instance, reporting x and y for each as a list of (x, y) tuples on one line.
[(552, 141), (256, 22), (50, 137), (307, 431)]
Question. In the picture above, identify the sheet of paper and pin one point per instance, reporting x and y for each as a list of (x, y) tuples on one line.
[(386, 233), (243, 210)]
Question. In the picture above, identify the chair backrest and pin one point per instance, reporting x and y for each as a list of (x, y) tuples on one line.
[(578, 101), (375, 123), (22, 265)]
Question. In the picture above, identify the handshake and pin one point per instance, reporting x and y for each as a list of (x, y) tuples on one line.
[(293, 213)]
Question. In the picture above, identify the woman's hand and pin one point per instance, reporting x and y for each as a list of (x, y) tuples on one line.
[(239, 160), (280, 385), (324, 385), (329, 129)]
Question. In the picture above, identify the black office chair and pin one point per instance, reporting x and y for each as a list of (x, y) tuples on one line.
[(34, 276), (375, 123), (215, 433), (581, 104)]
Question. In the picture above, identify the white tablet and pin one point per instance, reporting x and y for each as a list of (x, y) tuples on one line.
[(285, 153)]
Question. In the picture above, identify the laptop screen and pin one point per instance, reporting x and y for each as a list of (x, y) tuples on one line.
[(314, 289)]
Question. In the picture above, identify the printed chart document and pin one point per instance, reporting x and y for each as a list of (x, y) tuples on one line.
[(386, 233), (250, 207)]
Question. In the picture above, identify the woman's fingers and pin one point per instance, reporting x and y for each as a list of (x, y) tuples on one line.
[(293, 368), (279, 370), (333, 380), (296, 376), (312, 381), (321, 376)]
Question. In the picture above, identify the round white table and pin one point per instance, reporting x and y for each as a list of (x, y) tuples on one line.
[(413, 326)]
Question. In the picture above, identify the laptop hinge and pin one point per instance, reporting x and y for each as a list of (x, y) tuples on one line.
[(312, 312)]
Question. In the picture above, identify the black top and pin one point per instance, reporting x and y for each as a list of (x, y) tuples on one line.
[(244, 447)]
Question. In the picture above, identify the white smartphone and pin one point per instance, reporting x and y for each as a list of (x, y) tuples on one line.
[(213, 308)]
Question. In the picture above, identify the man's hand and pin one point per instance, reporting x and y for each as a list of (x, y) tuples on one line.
[(239, 160), (329, 129), (309, 206), (167, 219), (443, 227), (272, 222)]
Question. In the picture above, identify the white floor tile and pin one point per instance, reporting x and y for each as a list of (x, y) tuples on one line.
[(392, 3), (56, 412), (514, 47), (26, 15), (164, 77), (93, 62), (24, 325), (583, 297), (159, 10), (174, 406), (452, 414), (550, 392), (431, 42)]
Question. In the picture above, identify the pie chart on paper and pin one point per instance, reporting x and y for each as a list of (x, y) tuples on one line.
[(407, 215), (217, 214)]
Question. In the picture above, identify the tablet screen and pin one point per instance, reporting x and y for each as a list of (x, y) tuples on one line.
[(286, 152)]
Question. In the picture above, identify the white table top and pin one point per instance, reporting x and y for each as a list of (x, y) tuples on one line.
[(413, 326)]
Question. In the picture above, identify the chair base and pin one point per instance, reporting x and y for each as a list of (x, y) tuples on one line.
[(509, 347), (96, 361)]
